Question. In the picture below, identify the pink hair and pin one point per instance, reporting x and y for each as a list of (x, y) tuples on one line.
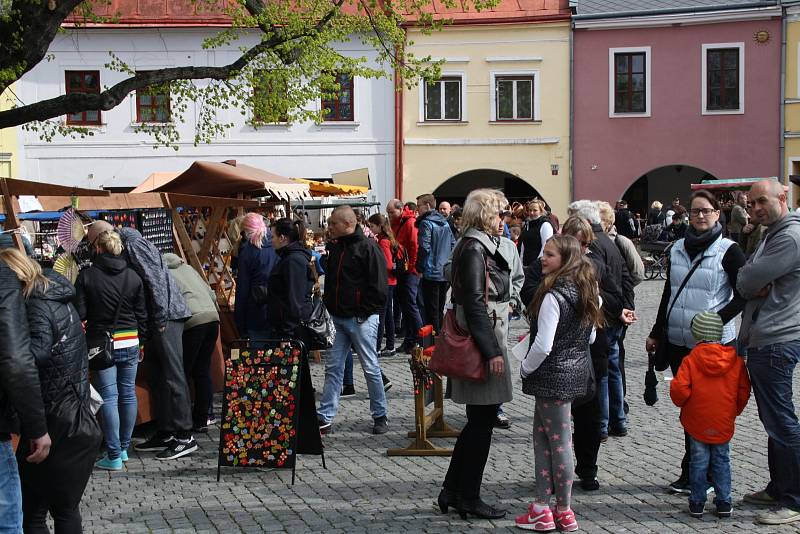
[(254, 228)]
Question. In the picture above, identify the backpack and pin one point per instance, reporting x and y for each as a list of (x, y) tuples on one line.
[(400, 261)]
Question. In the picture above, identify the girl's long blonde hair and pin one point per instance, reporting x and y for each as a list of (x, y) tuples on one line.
[(27, 270), (576, 267)]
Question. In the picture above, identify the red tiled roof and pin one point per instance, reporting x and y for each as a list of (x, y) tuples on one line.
[(186, 13), (158, 13), (504, 11)]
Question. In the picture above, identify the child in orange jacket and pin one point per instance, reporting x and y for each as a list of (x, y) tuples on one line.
[(712, 387)]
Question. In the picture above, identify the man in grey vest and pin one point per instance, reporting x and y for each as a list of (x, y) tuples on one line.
[(770, 334)]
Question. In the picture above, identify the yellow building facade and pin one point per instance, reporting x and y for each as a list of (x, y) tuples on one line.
[(498, 117), (8, 141), (791, 110)]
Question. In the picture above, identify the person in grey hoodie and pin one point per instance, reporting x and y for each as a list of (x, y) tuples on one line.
[(200, 335), (163, 351), (770, 333)]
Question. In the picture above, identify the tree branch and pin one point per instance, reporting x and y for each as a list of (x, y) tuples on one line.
[(26, 35)]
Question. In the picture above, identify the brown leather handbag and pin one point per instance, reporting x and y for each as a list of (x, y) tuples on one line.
[(456, 354)]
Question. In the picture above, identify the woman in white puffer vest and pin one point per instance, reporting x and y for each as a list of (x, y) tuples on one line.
[(711, 263)]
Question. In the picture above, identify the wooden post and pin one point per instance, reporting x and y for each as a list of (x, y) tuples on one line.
[(183, 239), (211, 231), (427, 425), (11, 217)]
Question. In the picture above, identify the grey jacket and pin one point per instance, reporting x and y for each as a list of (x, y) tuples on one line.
[(776, 263), (631, 256), (164, 299), (200, 298)]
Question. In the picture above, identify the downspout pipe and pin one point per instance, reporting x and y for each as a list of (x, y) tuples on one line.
[(571, 110), (398, 127), (782, 140)]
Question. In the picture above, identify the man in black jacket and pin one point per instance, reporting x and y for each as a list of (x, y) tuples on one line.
[(616, 289), (356, 288), (625, 221), (21, 403)]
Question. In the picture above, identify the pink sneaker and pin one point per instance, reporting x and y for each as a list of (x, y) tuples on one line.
[(538, 521), (566, 521)]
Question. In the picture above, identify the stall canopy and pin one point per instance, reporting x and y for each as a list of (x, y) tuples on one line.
[(320, 189), (227, 178), (730, 184)]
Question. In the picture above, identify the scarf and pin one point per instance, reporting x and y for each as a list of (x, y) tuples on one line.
[(696, 243)]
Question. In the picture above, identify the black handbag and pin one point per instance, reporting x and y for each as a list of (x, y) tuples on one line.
[(101, 348), (661, 357), (319, 327)]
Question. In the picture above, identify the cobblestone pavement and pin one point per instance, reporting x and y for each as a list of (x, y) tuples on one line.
[(363, 490)]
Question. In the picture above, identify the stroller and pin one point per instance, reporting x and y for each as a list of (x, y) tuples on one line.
[(655, 249)]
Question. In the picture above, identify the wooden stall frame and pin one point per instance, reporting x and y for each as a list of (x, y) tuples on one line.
[(428, 425)]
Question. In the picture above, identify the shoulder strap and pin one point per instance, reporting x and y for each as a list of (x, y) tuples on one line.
[(121, 298), (683, 284)]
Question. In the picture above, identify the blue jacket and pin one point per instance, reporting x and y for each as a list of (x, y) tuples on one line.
[(436, 242), (255, 267)]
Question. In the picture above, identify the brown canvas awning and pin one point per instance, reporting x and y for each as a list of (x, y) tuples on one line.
[(225, 179)]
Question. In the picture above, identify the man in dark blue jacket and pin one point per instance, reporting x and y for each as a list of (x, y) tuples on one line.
[(356, 288), (436, 242)]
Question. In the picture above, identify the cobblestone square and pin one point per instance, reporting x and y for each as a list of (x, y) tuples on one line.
[(363, 490)]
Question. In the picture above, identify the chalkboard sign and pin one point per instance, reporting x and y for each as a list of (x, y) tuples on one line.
[(268, 412)]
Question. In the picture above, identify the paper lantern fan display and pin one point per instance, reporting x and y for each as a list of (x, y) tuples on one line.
[(66, 266), (70, 230)]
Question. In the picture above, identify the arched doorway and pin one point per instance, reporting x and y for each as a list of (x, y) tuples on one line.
[(664, 184), (456, 188)]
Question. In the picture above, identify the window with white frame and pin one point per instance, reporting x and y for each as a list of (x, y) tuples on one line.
[(723, 78), (443, 99), (629, 82), (514, 98)]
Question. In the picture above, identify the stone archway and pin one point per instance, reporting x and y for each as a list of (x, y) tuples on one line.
[(663, 184), (456, 188)]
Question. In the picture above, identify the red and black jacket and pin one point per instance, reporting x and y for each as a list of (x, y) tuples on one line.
[(355, 277)]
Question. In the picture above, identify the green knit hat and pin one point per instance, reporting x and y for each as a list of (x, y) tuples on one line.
[(707, 326)]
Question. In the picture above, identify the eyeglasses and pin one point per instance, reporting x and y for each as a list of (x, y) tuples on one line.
[(694, 212)]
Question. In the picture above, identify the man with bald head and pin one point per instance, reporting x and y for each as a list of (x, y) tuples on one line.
[(444, 209), (356, 288), (770, 335)]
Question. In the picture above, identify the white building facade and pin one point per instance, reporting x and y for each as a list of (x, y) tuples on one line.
[(118, 156)]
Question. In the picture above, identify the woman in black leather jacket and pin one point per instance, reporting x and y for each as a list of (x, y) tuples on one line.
[(482, 309), (59, 347)]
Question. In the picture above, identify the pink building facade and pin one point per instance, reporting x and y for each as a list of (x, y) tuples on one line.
[(662, 101)]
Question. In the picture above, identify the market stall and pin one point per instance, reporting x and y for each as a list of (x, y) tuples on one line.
[(162, 213)]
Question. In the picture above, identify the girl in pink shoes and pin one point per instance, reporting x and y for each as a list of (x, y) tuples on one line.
[(557, 370)]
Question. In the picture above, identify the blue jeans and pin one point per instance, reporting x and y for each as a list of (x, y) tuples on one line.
[(10, 491), (407, 289), (611, 392), (348, 369), (362, 336), (771, 369), (117, 386), (717, 457)]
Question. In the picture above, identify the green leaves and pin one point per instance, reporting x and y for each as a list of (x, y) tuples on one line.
[(279, 77)]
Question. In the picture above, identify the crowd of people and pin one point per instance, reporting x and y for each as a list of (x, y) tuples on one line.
[(385, 277)]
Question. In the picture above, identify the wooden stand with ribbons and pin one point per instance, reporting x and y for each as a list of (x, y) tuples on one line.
[(427, 389)]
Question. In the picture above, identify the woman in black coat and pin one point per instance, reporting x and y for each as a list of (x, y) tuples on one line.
[(57, 342), (291, 281)]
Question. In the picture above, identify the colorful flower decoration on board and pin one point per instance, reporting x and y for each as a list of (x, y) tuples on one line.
[(258, 426)]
